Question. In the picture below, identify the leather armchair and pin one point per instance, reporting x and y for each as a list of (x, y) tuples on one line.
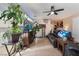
[(71, 49)]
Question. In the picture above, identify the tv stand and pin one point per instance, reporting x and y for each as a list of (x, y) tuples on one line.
[(60, 44)]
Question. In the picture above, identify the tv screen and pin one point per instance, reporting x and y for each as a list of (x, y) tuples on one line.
[(63, 34)]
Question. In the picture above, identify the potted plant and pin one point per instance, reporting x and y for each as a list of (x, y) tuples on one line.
[(15, 15), (35, 29)]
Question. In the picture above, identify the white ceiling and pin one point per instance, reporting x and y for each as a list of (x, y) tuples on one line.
[(36, 9)]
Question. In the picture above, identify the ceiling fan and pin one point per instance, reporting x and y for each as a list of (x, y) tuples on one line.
[(53, 11)]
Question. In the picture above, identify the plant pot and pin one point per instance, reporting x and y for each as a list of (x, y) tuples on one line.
[(15, 37)]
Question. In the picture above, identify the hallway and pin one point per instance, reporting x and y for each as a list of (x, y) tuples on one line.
[(41, 47)]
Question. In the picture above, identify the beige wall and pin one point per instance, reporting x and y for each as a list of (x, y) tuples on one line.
[(67, 24), (75, 28), (48, 27)]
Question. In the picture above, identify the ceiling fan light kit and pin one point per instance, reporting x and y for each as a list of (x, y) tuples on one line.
[(52, 13)]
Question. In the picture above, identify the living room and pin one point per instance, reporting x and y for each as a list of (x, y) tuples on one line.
[(39, 24)]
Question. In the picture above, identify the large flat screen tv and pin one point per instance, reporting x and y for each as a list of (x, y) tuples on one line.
[(63, 34)]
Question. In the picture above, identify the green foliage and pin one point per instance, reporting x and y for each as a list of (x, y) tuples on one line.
[(7, 35), (36, 28), (15, 15), (16, 30)]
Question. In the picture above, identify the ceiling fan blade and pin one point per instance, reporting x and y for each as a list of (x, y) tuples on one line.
[(46, 11), (55, 13), (58, 10), (48, 14)]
